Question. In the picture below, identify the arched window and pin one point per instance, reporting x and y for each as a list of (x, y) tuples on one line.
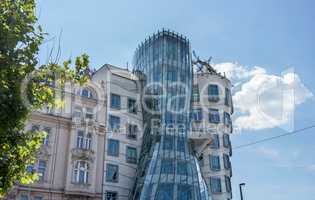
[(81, 172), (86, 93)]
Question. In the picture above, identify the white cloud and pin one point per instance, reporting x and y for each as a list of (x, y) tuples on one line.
[(264, 100)]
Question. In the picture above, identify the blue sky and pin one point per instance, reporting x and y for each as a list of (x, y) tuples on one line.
[(273, 35)]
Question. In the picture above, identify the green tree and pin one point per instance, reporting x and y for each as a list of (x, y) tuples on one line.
[(20, 38)]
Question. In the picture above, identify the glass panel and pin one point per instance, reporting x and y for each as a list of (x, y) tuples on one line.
[(167, 166), (215, 185), (113, 147), (112, 173), (184, 192), (214, 116), (114, 123), (165, 192), (115, 101)]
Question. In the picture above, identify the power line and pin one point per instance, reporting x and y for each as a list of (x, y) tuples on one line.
[(275, 137)]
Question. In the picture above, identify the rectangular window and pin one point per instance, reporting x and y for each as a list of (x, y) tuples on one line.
[(195, 94), (112, 173), (215, 185), (167, 166), (171, 75), (132, 130), (111, 195), (77, 112), (38, 198), (115, 101), (89, 113), (46, 139), (226, 141), (184, 192), (213, 93), (132, 107), (114, 123), (41, 170), (228, 97), (80, 139), (23, 197), (131, 155), (214, 162), (227, 119), (215, 144), (226, 160), (197, 114), (113, 147), (214, 116), (228, 184)]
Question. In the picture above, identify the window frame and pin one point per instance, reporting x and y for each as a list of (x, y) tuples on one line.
[(213, 181), (132, 108), (214, 162), (113, 152), (113, 101), (81, 166), (132, 160), (214, 116), (108, 179)]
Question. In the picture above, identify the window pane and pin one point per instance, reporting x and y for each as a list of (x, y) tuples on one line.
[(132, 131), (114, 122), (215, 185), (24, 197), (228, 184), (167, 166), (214, 116), (115, 101), (181, 144), (214, 162), (195, 94), (168, 142), (111, 173), (226, 140), (197, 114), (111, 196), (215, 144), (131, 155), (41, 169), (182, 168), (226, 159), (132, 108), (113, 147), (228, 98)]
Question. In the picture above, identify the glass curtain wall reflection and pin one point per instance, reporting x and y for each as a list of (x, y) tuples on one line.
[(168, 168)]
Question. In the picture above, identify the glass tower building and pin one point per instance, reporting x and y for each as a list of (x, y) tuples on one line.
[(167, 168)]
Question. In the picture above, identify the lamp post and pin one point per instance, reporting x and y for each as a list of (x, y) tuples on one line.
[(241, 190)]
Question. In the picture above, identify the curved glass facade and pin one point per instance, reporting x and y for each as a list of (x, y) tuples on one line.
[(168, 168)]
